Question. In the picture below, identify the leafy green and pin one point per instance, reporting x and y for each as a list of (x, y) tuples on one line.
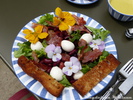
[(87, 49), (103, 56), (47, 17), (40, 53), (24, 49), (44, 43), (75, 35), (65, 81), (87, 67), (99, 33)]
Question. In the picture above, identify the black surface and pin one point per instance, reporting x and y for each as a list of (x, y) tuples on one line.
[(14, 14)]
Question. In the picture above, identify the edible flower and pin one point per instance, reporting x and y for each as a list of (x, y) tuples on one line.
[(53, 52), (63, 19), (34, 36), (72, 66), (97, 44)]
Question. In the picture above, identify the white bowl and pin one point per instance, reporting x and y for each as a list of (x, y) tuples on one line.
[(118, 15)]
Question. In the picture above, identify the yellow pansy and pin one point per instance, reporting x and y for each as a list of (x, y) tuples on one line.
[(33, 37), (63, 19)]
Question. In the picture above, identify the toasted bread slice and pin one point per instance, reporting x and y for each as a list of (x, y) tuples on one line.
[(95, 75), (49, 83)]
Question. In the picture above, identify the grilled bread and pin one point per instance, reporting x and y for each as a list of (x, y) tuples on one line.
[(95, 75), (50, 84)]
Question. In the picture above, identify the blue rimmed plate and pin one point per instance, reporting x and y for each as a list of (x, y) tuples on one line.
[(82, 2), (68, 93)]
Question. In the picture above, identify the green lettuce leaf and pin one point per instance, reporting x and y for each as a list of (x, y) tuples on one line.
[(75, 35), (99, 33), (24, 49), (65, 81), (47, 17), (40, 53), (103, 56), (87, 67)]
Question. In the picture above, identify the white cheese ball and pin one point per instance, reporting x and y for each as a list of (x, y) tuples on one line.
[(78, 75), (37, 46), (87, 37), (67, 45), (56, 73)]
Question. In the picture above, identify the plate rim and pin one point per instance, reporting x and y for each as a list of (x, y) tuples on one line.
[(82, 3), (13, 63)]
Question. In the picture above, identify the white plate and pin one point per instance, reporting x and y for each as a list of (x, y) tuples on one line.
[(68, 93), (82, 2)]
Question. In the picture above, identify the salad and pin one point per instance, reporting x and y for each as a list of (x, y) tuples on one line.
[(63, 46)]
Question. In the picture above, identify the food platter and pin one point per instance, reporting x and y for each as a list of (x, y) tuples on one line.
[(69, 92), (82, 2)]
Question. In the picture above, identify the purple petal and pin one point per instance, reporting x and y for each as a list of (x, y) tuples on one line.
[(57, 49), (101, 46), (50, 47), (68, 64), (75, 69), (56, 57), (73, 60), (90, 43), (67, 71), (50, 54)]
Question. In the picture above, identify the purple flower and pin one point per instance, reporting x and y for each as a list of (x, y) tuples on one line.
[(72, 66), (97, 44), (53, 52), (102, 46)]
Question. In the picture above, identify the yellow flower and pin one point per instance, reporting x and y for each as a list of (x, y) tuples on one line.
[(33, 37), (63, 19)]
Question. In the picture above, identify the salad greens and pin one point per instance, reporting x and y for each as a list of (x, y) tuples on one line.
[(25, 50), (87, 67), (65, 81), (47, 17), (99, 33), (75, 36), (40, 53)]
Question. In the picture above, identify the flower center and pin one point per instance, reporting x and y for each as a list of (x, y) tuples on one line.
[(54, 54), (95, 44), (62, 19), (70, 67)]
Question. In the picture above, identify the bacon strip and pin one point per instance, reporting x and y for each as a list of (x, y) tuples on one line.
[(91, 55)]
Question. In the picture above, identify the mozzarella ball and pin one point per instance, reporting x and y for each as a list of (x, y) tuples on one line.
[(78, 75), (87, 37), (37, 46), (56, 73), (67, 45)]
